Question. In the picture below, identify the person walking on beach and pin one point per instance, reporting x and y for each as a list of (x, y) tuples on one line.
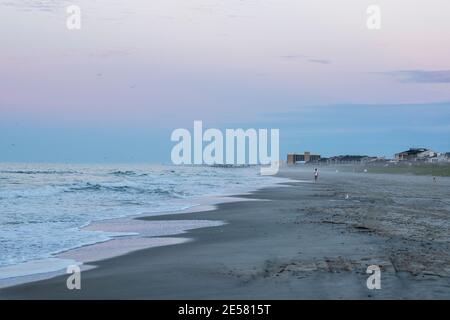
[(316, 174)]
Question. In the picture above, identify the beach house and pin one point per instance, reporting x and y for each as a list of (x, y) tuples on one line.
[(415, 154), (306, 157), (352, 159), (440, 158)]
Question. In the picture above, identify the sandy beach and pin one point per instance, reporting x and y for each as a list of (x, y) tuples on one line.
[(302, 240)]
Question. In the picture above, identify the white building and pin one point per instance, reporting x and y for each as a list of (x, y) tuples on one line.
[(439, 158)]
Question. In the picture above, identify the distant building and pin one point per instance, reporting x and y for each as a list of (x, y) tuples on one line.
[(415, 154), (352, 159), (293, 158), (439, 158)]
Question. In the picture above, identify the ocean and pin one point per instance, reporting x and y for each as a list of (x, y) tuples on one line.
[(44, 207)]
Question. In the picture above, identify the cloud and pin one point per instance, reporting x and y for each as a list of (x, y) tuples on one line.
[(110, 53), (293, 57), (306, 58), (321, 61), (420, 76), (37, 5)]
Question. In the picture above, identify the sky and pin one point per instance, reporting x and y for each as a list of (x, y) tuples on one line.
[(114, 90)]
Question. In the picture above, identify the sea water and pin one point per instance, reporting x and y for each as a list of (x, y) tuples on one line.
[(44, 207)]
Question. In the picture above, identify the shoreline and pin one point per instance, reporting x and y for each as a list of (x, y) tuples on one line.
[(125, 241), (307, 241)]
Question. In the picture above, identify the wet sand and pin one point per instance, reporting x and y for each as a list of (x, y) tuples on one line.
[(309, 240)]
